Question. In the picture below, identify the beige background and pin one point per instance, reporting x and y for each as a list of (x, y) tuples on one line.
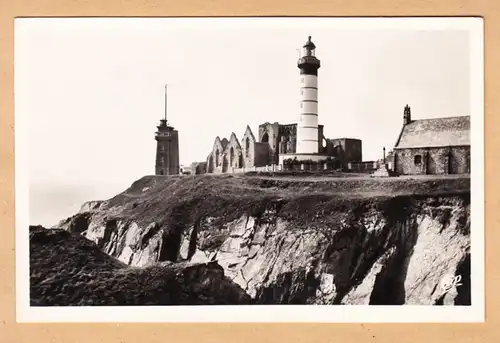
[(12, 332)]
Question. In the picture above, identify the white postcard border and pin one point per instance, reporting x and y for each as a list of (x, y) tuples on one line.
[(280, 313)]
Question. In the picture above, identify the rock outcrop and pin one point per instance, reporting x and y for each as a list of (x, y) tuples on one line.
[(285, 242), (67, 269), (90, 206)]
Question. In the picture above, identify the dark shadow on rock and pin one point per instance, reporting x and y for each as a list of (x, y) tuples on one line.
[(111, 226), (170, 246), (464, 291), (172, 235), (193, 240), (389, 287), (80, 223), (151, 231), (295, 287), (440, 300)]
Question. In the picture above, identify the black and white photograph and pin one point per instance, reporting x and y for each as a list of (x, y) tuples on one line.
[(249, 169)]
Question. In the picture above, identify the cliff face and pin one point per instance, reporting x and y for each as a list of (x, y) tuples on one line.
[(396, 243)]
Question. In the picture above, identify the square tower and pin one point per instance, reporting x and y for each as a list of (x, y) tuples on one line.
[(167, 150)]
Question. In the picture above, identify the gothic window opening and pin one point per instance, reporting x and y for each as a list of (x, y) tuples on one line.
[(247, 146), (217, 157), (224, 163), (231, 156)]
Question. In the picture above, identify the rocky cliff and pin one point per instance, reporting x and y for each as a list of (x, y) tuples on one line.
[(297, 241)]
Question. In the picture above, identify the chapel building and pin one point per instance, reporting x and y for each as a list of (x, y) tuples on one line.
[(437, 146)]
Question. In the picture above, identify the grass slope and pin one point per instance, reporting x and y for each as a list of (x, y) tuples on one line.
[(179, 200), (67, 269)]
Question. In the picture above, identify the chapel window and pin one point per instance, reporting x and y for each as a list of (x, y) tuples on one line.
[(418, 159)]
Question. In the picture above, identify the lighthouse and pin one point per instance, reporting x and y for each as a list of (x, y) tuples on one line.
[(307, 128)]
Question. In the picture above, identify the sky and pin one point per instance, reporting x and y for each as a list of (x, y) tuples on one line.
[(92, 90)]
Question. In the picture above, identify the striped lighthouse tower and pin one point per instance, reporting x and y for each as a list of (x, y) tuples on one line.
[(307, 128)]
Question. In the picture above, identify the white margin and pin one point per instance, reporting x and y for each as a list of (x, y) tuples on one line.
[(277, 313)]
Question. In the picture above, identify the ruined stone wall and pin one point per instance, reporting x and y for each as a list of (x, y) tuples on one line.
[(210, 165), (269, 133), (261, 155), (353, 150), (198, 168), (248, 150), (331, 149), (287, 139), (321, 148), (234, 154), (345, 149), (215, 158)]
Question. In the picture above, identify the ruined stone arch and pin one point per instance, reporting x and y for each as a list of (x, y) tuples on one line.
[(240, 160), (231, 156), (265, 138), (217, 157), (224, 163)]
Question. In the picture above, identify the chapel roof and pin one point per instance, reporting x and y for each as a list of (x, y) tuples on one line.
[(436, 132)]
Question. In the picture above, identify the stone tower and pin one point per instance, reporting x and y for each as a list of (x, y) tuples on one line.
[(167, 147), (307, 128)]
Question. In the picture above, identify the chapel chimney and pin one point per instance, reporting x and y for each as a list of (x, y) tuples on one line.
[(407, 115)]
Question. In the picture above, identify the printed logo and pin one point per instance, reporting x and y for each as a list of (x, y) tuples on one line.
[(450, 283)]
